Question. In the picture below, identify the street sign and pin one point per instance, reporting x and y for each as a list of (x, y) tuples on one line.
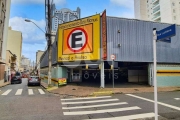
[(168, 40), (113, 57), (166, 32)]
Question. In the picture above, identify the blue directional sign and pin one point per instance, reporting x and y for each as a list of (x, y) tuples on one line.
[(168, 40), (166, 32)]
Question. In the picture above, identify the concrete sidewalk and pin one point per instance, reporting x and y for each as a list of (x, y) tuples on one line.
[(4, 84), (84, 91)]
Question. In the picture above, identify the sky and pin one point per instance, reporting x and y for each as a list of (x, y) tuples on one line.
[(34, 38)]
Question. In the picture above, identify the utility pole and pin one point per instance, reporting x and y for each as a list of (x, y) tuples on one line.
[(48, 35)]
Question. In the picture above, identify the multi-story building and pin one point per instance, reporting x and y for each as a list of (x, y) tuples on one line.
[(15, 37), (25, 63), (4, 21), (39, 53), (166, 11), (10, 63), (61, 16)]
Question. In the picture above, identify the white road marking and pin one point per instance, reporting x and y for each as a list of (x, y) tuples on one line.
[(94, 101), (101, 111), (160, 103), (129, 117), (92, 106), (7, 92), (86, 98), (19, 92), (41, 91), (30, 91), (177, 98)]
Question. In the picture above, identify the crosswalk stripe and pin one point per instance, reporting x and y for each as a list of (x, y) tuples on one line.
[(41, 91), (91, 106), (86, 98), (160, 103), (19, 92), (7, 92), (177, 98), (94, 101), (101, 111), (30, 91), (129, 117)]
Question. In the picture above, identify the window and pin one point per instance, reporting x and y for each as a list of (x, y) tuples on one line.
[(173, 4), (174, 17), (174, 10)]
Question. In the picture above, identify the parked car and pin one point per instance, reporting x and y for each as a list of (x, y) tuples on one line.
[(34, 80), (16, 78)]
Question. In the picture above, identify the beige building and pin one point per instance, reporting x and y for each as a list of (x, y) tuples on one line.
[(14, 44), (25, 63), (166, 11), (39, 53), (4, 21), (10, 63)]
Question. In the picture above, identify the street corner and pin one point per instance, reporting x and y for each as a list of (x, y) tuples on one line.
[(51, 88), (102, 92)]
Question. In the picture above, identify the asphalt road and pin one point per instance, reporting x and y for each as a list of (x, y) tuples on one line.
[(20, 102)]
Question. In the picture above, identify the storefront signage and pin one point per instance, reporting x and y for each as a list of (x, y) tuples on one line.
[(62, 81), (104, 36), (79, 40)]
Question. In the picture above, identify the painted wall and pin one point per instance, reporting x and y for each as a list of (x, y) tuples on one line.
[(165, 79), (15, 37)]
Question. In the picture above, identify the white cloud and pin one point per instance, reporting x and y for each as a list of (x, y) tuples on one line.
[(124, 3), (33, 37), (127, 15), (37, 1), (31, 33), (29, 50)]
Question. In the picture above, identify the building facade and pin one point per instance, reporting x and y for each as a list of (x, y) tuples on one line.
[(15, 37), (63, 15), (166, 11), (131, 41), (25, 63), (10, 63), (4, 21)]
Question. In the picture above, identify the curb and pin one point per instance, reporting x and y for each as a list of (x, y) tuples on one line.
[(5, 85)]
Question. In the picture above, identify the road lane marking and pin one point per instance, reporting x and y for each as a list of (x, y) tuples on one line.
[(86, 98), (41, 91), (94, 101), (7, 92), (160, 103), (129, 117), (30, 91), (177, 98), (19, 92), (101, 111), (92, 106)]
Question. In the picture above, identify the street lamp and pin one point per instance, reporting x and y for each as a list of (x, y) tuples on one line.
[(27, 20)]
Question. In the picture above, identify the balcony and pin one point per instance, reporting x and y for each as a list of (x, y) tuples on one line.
[(156, 5), (154, 1), (156, 10)]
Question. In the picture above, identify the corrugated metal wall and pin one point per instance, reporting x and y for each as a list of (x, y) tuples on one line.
[(136, 42)]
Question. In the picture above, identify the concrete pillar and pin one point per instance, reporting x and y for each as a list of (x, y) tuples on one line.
[(102, 75)]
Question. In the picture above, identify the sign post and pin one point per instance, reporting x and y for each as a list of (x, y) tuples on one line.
[(163, 35), (113, 58), (155, 81)]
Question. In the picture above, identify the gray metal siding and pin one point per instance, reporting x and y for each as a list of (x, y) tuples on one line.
[(136, 42)]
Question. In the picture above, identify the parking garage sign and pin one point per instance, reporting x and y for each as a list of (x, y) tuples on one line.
[(79, 40)]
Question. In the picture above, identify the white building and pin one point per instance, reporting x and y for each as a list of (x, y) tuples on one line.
[(63, 15), (166, 11), (25, 63)]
